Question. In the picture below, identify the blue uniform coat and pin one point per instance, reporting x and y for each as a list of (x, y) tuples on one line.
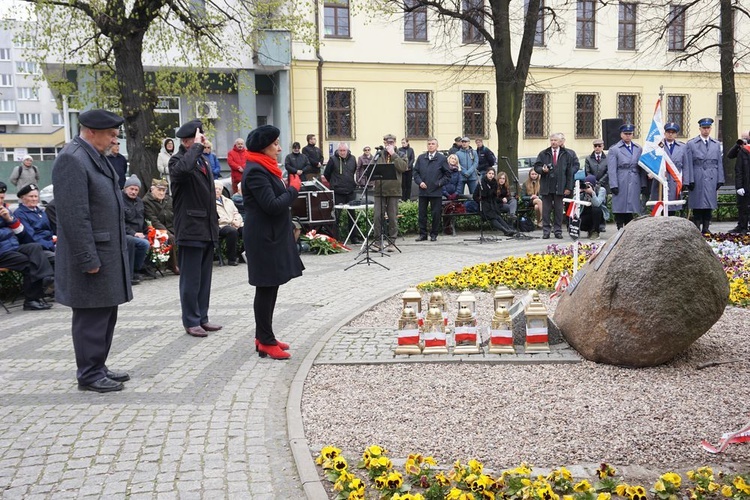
[(680, 156), (707, 173), (90, 230), (627, 176)]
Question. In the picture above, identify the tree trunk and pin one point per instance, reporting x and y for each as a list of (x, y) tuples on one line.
[(138, 104), (728, 92)]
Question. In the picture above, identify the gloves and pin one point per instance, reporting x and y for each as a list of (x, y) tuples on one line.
[(718, 185), (741, 191), (684, 188), (295, 182), (691, 186), (644, 191), (615, 191)]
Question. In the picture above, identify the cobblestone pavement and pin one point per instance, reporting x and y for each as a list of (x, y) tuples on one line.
[(201, 418)]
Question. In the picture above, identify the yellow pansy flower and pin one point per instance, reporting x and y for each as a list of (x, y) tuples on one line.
[(727, 491)]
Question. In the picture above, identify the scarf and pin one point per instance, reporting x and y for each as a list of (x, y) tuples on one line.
[(266, 162)]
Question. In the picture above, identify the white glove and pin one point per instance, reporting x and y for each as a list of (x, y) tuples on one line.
[(741, 191)]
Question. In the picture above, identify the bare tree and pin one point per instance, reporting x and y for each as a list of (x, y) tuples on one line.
[(107, 40), (491, 24)]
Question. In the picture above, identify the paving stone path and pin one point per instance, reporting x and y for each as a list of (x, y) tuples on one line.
[(201, 418)]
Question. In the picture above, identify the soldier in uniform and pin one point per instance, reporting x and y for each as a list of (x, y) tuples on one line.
[(707, 175), (680, 156), (627, 180), (92, 269)]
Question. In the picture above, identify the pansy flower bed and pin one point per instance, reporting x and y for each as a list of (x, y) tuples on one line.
[(375, 477), (540, 271)]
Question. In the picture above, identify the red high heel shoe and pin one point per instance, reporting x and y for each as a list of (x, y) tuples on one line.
[(273, 351), (282, 345)]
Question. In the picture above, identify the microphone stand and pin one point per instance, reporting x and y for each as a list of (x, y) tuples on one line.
[(519, 233), (366, 245)]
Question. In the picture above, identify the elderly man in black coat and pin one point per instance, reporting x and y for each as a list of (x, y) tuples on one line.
[(91, 259), (557, 166), (196, 226), (431, 173)]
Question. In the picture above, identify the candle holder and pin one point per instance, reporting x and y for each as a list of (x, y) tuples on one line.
[(433, 332), (413, 299), (537, 339), (501, 333), (408, 333), (466, 332), (503, 297)]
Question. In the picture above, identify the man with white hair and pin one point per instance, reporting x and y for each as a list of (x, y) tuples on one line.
[(339, 172), (557, 166)]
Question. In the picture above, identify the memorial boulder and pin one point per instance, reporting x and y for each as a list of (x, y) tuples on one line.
[(652, 290)]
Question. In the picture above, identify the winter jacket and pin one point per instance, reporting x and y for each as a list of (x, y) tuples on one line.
[(434, 173), (37, 225), (340, 173)]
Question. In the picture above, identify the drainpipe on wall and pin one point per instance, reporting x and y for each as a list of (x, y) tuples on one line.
[(320, 75)]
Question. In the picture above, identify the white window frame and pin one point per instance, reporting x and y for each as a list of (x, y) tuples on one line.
[(4, 54), (57, 120), (27, 93), (29, 119), (6, 80)]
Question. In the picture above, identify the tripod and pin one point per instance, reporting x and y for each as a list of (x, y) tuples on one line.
[(519, 234), (482, 238), (369, 172)]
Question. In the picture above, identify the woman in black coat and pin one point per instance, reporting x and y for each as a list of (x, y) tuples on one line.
[(490, 205), (272, 257)]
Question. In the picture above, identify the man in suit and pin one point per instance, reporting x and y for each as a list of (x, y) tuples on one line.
[(92, 272), (557, 166), (679, 153), (627, 180), (707, 175), (431, 172), (196, 227)]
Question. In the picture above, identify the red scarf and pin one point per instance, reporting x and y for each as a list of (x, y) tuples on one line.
[(266, 161)]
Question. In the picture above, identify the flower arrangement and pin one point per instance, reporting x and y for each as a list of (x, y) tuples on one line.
[(322, 244), (160, 249), (420, 480), (540, 271)]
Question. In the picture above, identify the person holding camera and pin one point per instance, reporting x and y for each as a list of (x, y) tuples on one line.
[(741, 151), (556, 165), (594, 215)]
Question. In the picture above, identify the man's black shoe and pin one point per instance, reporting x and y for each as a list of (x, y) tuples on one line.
[(421, 238), (35, 305), (147, 271), (558, 236), (545, 236), (117, 376), (104, 384), (433, 238), (736, 229)]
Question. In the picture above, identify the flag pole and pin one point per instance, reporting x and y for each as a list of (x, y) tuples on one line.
[(664, 185)]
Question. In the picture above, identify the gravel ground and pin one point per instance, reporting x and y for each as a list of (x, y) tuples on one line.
[(546, 415)]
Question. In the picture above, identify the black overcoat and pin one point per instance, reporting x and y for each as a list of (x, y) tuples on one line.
[(193, 196), (90, 230), (268, 234)]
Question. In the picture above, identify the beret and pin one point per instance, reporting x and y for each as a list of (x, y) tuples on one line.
[(133, 180), (706, 122), (627, 127), (672, 126), (100, 119), (591, 179), (27, 189), (3, 187), (188, 129), (261, 137), (159, 183)]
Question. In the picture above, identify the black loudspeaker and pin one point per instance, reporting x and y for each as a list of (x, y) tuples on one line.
[(611, 131)]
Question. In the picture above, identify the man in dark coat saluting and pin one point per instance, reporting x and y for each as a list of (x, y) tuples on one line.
[(196, 226), (91, 259)]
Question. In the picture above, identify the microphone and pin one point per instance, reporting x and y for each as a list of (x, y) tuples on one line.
[(379, 148)]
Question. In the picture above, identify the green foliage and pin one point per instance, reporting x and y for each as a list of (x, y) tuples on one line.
[(409, 220), (10, 284), (727, 209)]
